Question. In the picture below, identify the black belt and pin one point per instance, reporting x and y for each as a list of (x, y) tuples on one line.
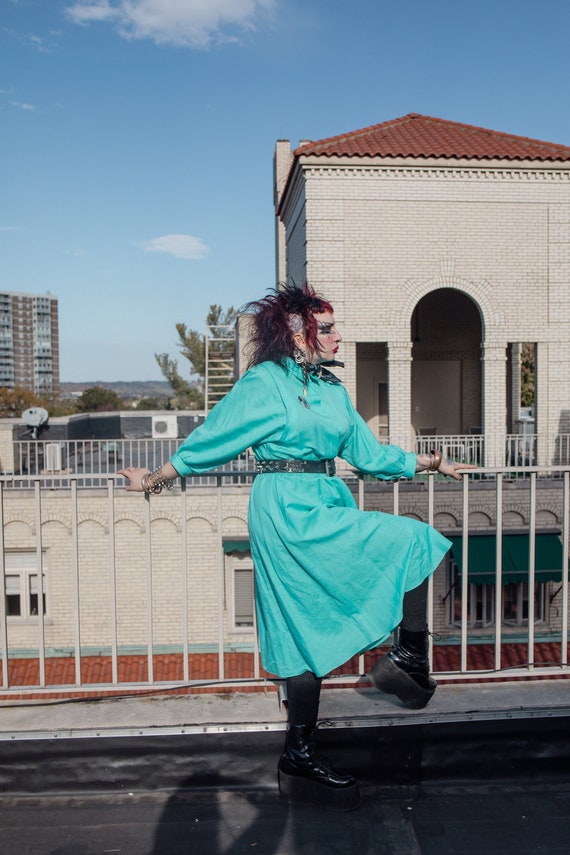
[(321, 467)]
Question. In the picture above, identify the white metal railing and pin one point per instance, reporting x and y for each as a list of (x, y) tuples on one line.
[(90, 462), (100, 458), (69, 508), (465, 448)]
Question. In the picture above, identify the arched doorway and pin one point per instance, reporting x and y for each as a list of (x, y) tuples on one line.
[(446, 334)]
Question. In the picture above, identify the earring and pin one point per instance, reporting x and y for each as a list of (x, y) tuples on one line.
[(301, 359), (299, 356)]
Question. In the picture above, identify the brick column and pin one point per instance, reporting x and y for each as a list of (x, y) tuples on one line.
[(400, 393), (494, 358)]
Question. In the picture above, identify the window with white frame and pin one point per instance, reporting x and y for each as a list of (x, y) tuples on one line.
[(242, 591), (481, 602), (21, 594)]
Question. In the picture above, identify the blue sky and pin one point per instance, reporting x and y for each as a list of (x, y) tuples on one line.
[(137, 138)]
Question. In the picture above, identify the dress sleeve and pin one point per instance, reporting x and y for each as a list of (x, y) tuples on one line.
[(364, 452), (250, 413)]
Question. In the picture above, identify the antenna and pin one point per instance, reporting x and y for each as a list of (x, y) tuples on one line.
[(35, 418)]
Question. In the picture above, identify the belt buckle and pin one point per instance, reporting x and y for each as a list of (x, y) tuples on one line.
[(329, 468)]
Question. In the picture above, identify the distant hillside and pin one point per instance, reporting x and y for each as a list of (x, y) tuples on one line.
[(125, 389)]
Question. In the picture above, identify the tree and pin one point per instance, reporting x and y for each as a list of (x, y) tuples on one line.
[(155, 402), (527, 375), (96, 399), (193, 347), (13, 402), (186, 396)]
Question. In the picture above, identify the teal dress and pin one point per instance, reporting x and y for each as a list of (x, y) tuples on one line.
[(329, 578)]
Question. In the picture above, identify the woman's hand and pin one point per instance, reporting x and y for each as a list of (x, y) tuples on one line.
[(450, 467), (135, 477)]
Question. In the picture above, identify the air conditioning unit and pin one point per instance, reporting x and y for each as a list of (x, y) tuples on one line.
[(165, 427), (54, 456)]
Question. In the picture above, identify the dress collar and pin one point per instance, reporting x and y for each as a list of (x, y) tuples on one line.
[(318, 372)]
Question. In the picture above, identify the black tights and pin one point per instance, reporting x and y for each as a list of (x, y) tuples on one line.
[(414, 608), (303, 691)]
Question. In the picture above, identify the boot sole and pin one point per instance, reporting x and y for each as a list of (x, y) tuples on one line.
[(296, 789), (388, 678)]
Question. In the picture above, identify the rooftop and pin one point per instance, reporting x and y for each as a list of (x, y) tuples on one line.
[(483, 768), (420, 136)]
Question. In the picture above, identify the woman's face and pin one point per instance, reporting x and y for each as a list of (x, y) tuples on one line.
[(328, 337)]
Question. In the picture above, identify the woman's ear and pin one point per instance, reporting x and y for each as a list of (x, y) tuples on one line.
[(300, 342)]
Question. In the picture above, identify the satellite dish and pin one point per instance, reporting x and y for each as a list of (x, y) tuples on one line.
[(35, 418)]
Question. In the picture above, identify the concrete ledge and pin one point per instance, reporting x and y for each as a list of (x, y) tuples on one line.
[(358, 706), (234, 741)]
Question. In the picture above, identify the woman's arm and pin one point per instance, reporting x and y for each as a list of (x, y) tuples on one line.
[(250, 413), (387, 462)]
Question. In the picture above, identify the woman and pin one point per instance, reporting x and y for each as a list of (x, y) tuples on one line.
[(331, 581)]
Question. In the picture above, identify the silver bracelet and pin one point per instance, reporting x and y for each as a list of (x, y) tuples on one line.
[(150, 485)]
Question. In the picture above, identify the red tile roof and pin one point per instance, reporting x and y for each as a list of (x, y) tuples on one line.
[(423, 136)]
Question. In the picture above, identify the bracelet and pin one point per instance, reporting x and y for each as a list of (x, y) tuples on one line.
[(435, 459), (147, 487), (150, 485)]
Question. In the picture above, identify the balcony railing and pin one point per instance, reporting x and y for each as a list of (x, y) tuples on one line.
[(137, 594), (92, 461), (520, 448)]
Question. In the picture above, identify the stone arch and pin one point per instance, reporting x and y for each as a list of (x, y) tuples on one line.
[(513, 517), (414, 515), (207, 518), (479, 291), (240, 518), (445, 520), (446, 330), (21, 518), (479, 519), (161, 517), (59, 520), (94, 518), (546, 517), (124, 517)]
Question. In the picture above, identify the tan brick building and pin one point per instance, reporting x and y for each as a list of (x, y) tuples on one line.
[(443, 247)]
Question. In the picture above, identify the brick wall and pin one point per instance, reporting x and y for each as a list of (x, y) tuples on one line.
[(382, 236)]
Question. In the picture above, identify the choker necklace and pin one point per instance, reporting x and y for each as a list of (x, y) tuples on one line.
[(318, 371)]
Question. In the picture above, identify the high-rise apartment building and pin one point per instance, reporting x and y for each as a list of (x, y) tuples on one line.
[(29, 342)]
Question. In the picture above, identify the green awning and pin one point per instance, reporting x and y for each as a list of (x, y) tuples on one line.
[(236, 546), (481, 557)]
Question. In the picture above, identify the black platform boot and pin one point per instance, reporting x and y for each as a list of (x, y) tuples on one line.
[(304, 776), (404, 670)]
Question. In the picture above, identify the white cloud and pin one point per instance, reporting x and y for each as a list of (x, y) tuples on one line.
[(93, 10), (21, 105), (181, 246), (31, 40), (187, 23)]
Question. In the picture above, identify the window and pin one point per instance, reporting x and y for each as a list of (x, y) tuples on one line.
[(21, 586), (481, 601), (515, 604), (240, 596), (243, 597)]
